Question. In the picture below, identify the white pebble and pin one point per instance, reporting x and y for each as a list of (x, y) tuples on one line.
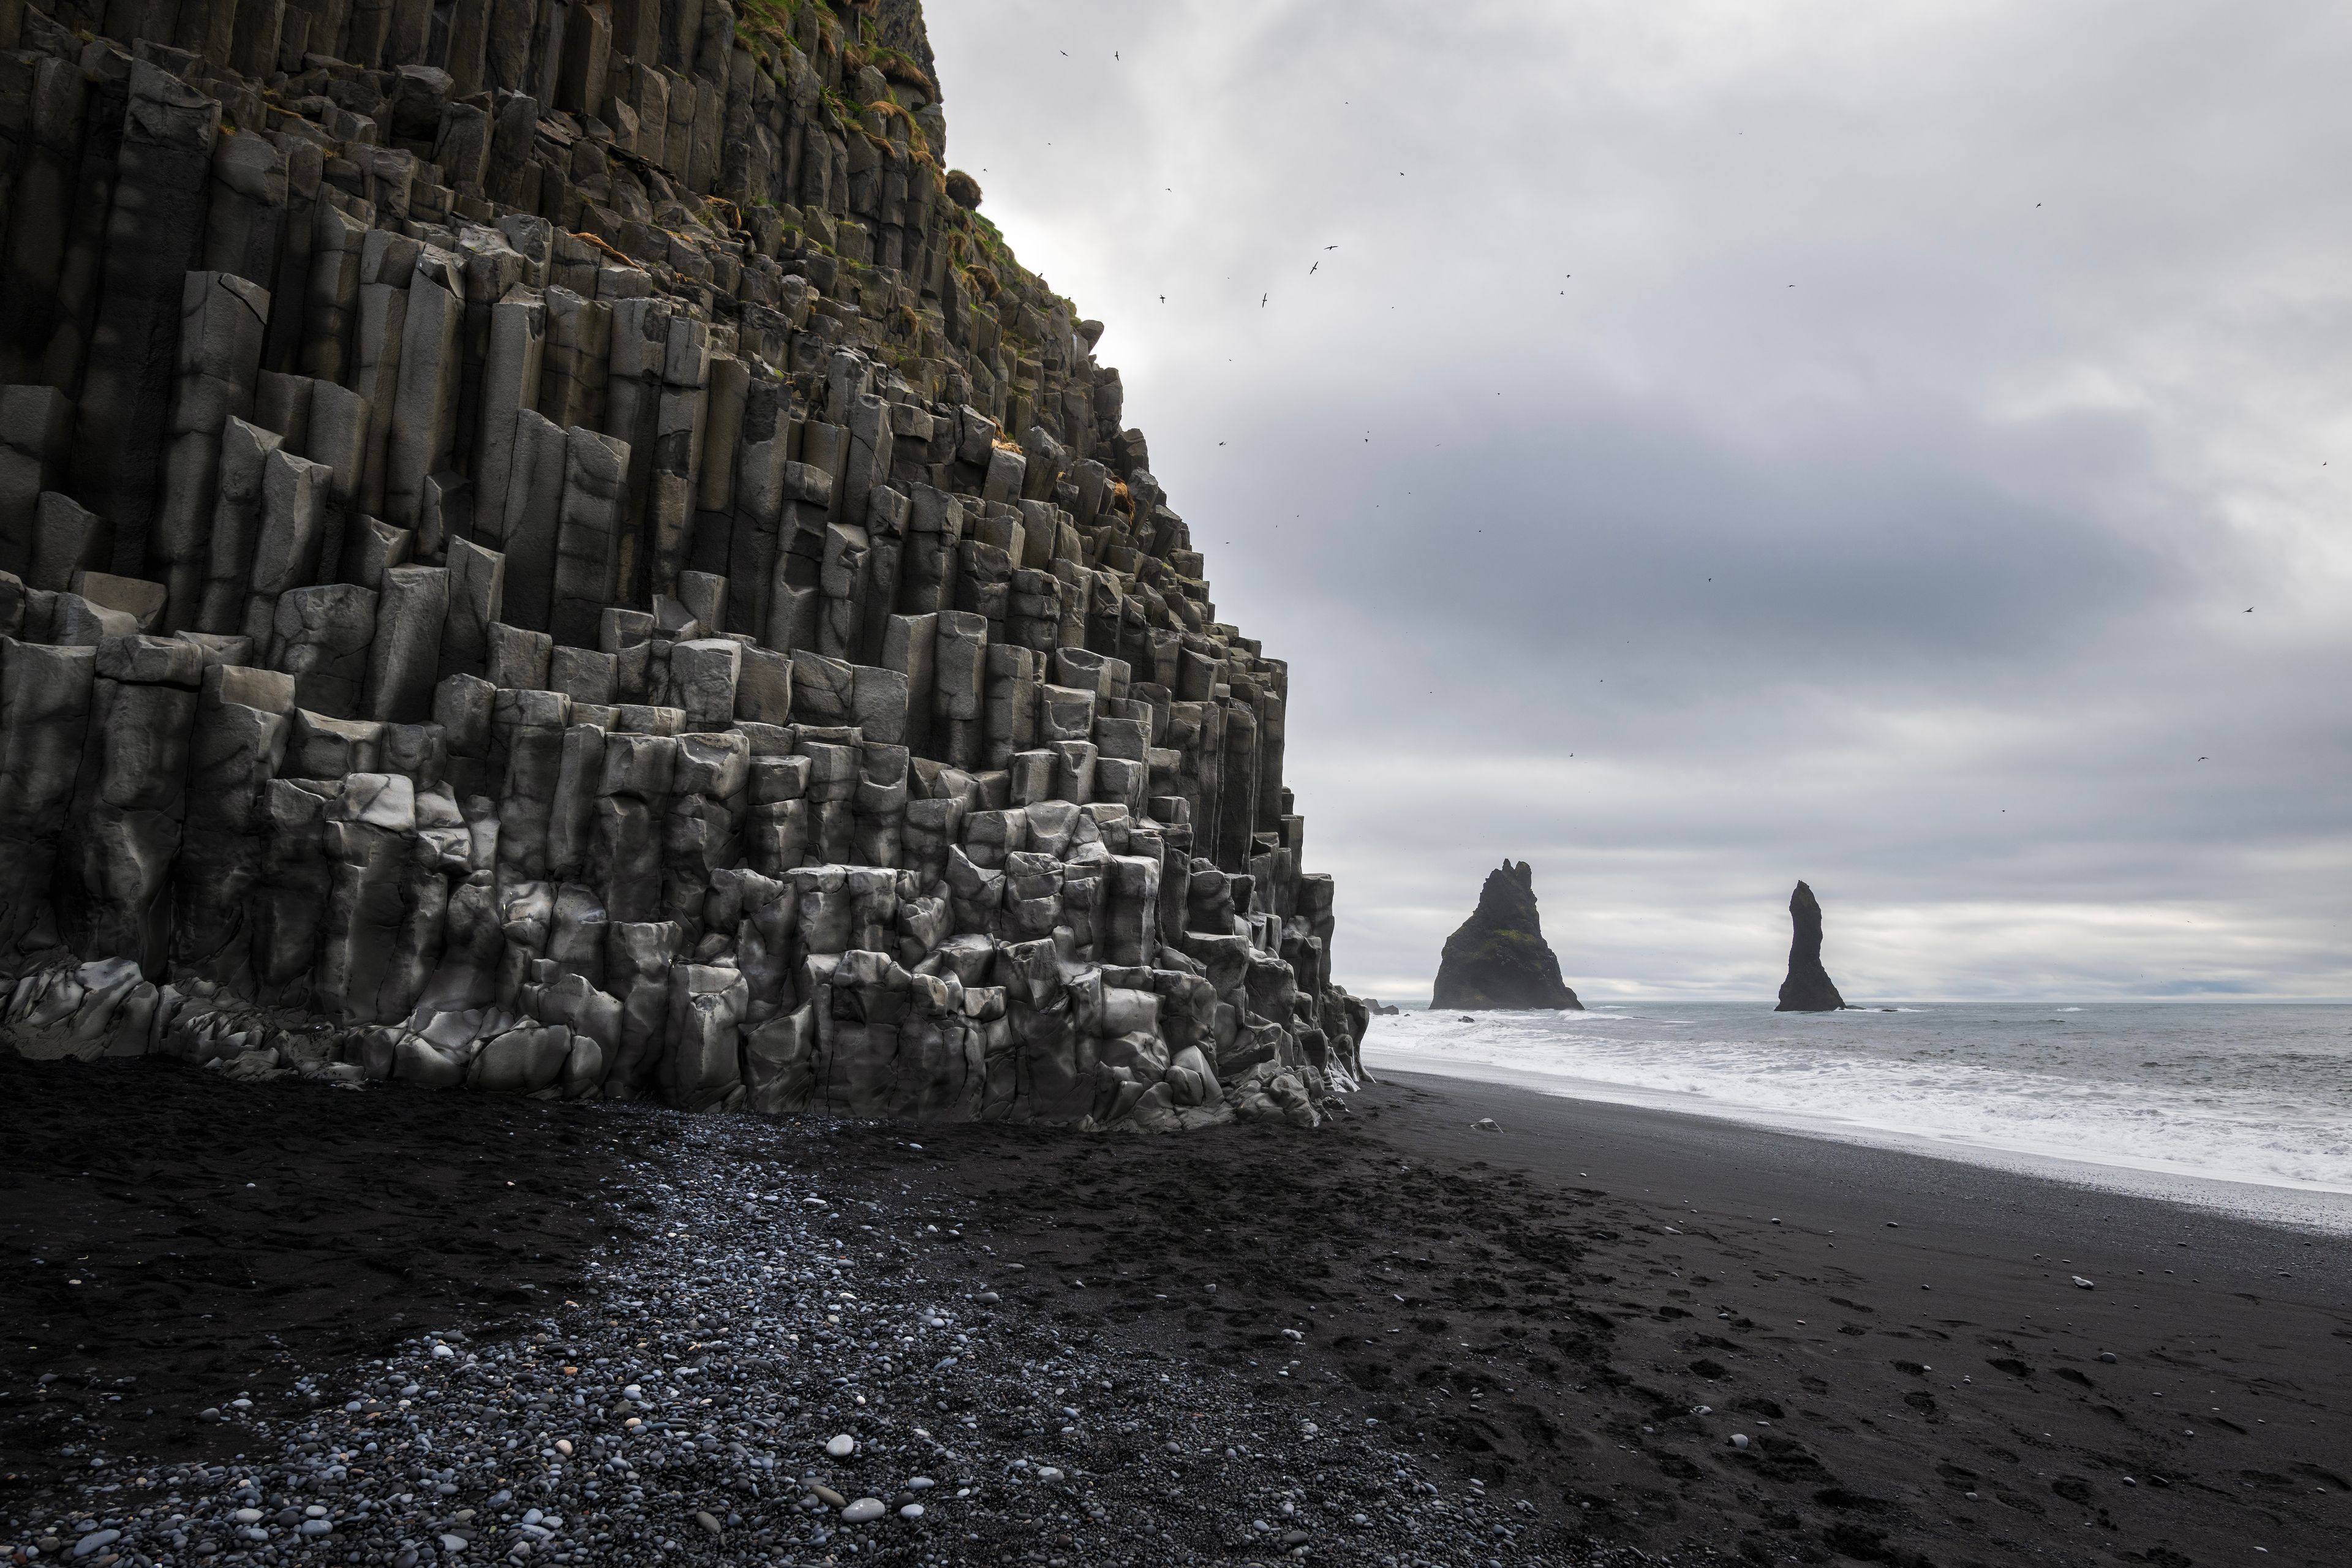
[(842, 1446)]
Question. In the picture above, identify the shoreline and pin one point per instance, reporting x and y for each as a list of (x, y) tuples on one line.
[(1784, 1168), (2315, 1207)]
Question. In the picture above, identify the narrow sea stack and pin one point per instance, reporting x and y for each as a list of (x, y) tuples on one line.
[(1498, 958), (550, 548), (1808, 988)]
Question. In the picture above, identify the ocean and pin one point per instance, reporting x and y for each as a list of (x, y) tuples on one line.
[(2214, 1091)]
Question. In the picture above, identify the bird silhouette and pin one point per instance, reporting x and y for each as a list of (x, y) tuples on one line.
[(1335, 247), (1262, 299), (1310, 271), (2201, 759), (2250, 609)]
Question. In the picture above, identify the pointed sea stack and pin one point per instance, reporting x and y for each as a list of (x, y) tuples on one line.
[(1498, 958), (1808, 988)]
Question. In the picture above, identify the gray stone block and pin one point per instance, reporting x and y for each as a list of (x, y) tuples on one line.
[(322, 637), (404, 656)]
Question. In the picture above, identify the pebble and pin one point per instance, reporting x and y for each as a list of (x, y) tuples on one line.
[(2082, 1284), (692, 1372), (1739, 1439)]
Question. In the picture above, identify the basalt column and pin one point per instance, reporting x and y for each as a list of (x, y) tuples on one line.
[(548, 548)]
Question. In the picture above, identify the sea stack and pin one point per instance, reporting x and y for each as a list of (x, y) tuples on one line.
[(1498, 958), (1808, 988)]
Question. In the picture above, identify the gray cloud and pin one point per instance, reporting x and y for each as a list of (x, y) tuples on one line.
[(1983, 497)]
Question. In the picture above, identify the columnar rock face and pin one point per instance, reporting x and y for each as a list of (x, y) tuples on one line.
[(1498, 958), (542, 548), (1808, 988)]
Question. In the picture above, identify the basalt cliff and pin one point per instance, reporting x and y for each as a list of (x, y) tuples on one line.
[(547, 546)]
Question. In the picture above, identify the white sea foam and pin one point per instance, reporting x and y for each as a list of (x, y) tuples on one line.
[(2229, 1093)]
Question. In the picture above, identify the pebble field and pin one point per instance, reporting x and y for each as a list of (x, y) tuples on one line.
[(778, 1369)]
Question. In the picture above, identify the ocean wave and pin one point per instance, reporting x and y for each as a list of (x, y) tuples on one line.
[(2228, 1093)]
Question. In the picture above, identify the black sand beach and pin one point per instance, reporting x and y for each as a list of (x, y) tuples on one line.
[(170, 1239), (1545, 1307)]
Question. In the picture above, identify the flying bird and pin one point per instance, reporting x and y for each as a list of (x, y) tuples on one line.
[(1262, 299), (1310, 271), (1335, 247)]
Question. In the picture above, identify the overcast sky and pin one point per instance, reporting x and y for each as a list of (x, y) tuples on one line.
[(1696, 447)]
